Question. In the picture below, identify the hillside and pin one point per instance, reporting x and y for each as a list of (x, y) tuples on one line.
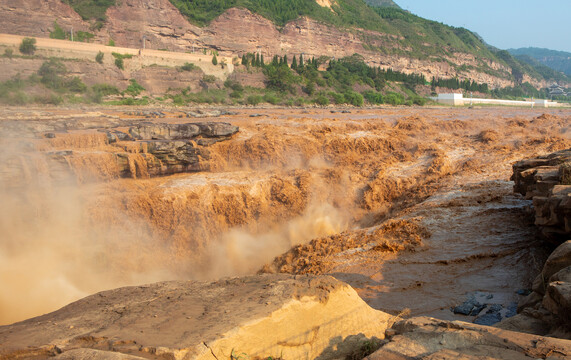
[(557, 60), (386, 37)]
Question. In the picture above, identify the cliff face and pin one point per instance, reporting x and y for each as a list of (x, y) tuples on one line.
[(235, 32), (36, 17)]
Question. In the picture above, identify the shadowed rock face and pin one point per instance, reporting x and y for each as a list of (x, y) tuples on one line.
[(548, 307), (293, 317)]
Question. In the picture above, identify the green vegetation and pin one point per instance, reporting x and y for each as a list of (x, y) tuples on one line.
[(382, 3), (91, 9), (538, 70), (52, 76), (119, 59), (58, 32), (214, 60), (9, 53), (61, 34), (335, 85), (28, 46), (134, 88), (454, 84), (188, 67), (99, 57), (209, 79), (119, 63)]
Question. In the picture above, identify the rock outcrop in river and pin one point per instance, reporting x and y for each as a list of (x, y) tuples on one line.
[(101, 147)]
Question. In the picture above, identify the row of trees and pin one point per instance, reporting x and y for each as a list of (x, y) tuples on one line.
[(455, 83)]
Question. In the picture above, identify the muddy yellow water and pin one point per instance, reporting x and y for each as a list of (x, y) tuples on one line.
[(412, 207)]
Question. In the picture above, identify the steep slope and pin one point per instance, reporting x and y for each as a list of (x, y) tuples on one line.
[(387, 37)]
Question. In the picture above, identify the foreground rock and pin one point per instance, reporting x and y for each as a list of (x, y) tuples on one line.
[(427, 338), (278, 316), (261, 316)]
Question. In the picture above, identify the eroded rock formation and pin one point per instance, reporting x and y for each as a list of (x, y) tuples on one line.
[(106, 147), (541, 180), (545, 181)]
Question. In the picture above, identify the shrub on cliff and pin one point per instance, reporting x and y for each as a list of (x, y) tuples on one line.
[(28, 46), (254, 100), (321, 100), (214, 60), (188, 67), (51, 73), (134, 88), (99, 57), (119, 63), (353, 98)]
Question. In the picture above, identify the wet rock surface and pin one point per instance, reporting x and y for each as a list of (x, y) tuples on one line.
[(481, 306)]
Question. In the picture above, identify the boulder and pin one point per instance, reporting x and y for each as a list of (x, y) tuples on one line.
[(429, 338), (558, 300), (558, 260)]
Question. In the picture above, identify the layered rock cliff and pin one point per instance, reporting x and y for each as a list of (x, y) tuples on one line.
[(545, 180)]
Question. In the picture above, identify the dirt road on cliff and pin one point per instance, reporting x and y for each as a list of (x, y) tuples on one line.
[(412, 207)]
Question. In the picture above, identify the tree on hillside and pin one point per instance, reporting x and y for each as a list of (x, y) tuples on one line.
[(28, 46), (99, 57), (294, 63), (51, 73)]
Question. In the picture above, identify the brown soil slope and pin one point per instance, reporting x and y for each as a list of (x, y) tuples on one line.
[(235, 32)]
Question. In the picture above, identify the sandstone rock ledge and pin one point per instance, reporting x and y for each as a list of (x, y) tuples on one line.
[(545, 181), (259, 316)]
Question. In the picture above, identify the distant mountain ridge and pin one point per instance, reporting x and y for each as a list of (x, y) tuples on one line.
[(382, 3), (557, 60)]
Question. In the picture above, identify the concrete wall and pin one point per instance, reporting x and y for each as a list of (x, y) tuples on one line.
[(459, 100)]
